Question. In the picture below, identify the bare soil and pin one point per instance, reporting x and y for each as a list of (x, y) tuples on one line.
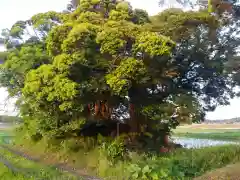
[(230, 172)]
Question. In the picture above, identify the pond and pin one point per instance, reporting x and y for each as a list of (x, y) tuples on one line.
[(200, 143), (5, 125)]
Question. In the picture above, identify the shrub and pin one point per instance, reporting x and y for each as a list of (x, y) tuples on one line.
[(114, 150), (184, 164), (36, 137), (72, 145)]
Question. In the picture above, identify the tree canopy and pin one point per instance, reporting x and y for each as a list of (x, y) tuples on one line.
[(104, 60)]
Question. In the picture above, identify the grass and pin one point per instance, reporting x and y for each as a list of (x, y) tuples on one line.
[(38, 170), (5, 134), (181, 163), (215, 134), (230, 172), (212, 126), (84, 162), (7, 174), (231, 136), (200, 130)]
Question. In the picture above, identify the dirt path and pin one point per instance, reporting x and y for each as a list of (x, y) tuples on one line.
[(13, 168), (38, 159), (230, 172), (26, 172), (61, 167)]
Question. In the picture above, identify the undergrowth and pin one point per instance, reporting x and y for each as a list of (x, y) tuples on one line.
[(7, 174), (111, 159)]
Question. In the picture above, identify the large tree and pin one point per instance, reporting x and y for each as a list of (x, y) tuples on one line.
[(106, 61)]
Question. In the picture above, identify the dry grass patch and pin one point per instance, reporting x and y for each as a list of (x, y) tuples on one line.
[(212, 126), (230, 172)]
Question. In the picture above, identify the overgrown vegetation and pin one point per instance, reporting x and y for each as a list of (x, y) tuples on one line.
[(179, 164), (32, 169), (6, 173), (102, 67)]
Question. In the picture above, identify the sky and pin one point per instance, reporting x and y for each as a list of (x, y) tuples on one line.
[(14, 10)]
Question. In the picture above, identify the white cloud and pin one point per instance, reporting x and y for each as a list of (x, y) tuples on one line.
[(14, 10), (6, 103), (226, 112), (151, 6)]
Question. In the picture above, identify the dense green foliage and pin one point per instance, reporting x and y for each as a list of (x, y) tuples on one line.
[(186, 164), (103, 60)]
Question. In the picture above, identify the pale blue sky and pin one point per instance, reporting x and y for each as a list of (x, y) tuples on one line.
[(14, 10)]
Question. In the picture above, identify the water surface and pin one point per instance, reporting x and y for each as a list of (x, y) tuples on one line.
[(200, 143)]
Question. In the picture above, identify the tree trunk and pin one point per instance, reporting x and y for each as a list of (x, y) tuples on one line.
[(133, 118), (106, 110), (134, 115), (97, 110), (102, 110)]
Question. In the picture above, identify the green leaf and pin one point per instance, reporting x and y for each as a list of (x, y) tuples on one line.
[(135, 175), (146, 169), (154, 175)]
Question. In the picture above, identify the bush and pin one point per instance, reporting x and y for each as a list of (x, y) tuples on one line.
[(109, 158), (184, 164), (154, 168), (72, 145), (198, 161), (76, 144), (36, 137), (114, 150)]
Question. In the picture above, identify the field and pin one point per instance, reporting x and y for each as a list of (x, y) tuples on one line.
[(208, 127), (200, 164), (15, 166), (228, 135), (230, 132), (226, 132), (7, 174)]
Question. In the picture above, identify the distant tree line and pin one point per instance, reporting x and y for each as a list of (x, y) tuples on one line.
[(9, 119), (228, 121)]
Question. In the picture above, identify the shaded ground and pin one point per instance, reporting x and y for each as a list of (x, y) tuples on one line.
[(230, 172)]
